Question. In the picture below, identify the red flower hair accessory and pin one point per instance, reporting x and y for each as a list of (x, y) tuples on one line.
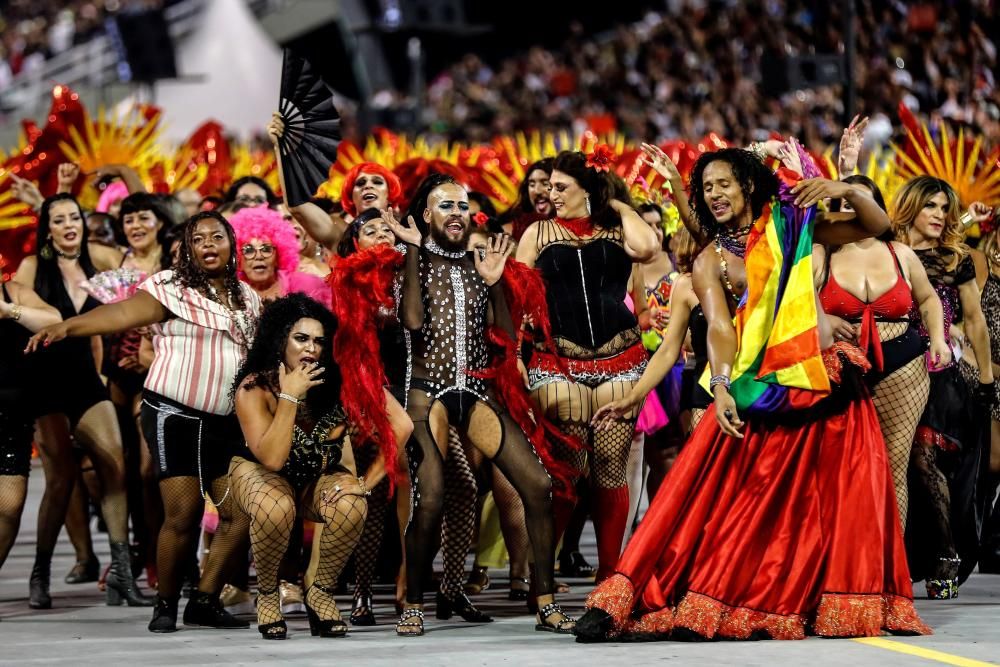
[(601, 158), (480, 219)]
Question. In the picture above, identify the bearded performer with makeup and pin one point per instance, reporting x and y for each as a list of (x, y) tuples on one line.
[(454, 306), (778, 518)]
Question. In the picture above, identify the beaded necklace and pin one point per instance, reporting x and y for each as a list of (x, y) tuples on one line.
[(438, 250)]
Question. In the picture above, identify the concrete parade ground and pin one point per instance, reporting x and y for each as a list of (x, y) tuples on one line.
[(80, 629)]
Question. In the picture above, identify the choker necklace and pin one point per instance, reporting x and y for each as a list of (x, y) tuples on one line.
[(578, 226), (64, 255), (432, 245)]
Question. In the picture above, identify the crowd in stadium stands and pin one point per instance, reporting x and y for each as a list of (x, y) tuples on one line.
[(32, 31), (693, 70), (697, 67)]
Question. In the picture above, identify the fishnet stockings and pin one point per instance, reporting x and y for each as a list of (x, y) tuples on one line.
[(459, 523), (183, 507), (512, 524), (366, 555), (696, 416), (230, 543), (13, 489), (269, 501), (899, 401), (343, 521)]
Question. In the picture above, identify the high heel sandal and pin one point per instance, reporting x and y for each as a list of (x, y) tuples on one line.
[(559, 627), (573, 564), (944, 589), (323, 627), (363, 612), (276, 629), (406, 621), (519, 594), (459, 604), (479, 580)]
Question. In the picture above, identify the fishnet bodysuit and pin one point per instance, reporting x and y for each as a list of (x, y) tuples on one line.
[(308, 482), (454, 308)]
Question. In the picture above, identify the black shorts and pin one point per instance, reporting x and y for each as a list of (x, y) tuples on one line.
[(16, 430), (185, 442)]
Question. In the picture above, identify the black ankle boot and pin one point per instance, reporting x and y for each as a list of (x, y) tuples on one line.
[(164, 616), (206, 610), (121, 584), (84, 571), (38, 585), (459, 604)]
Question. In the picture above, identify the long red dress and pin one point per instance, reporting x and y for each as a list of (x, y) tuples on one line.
[(792, 529)]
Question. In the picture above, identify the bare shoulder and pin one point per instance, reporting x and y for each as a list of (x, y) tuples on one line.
[(25, 274)]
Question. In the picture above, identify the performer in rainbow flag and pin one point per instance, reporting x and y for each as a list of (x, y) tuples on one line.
[(778, 517)]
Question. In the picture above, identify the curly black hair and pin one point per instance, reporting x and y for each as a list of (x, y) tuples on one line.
[(418, 203), (268, 351), (189, 274), (756, 181)]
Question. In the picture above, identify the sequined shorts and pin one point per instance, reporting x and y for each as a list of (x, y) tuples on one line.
[(15, 441), (626, 366)]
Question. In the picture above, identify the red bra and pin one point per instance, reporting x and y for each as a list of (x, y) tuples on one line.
[(892, 306)]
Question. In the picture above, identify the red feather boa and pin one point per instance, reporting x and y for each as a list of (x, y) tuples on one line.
[(525, 294), (361, 284)]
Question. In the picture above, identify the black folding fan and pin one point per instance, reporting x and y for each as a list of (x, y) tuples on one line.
[(312, 129)]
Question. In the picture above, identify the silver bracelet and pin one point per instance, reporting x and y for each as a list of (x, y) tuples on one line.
[(716, 380), (289, 398)]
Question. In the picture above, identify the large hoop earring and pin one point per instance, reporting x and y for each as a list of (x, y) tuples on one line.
[(586, 199)]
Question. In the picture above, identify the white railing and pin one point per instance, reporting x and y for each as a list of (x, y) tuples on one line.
[(90, 68)]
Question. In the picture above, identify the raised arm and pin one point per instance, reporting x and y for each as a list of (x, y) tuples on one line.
[(140, 310), (314, 219), (654, 156), (128, 175), (722, 340), (640, 240), (867, 220)]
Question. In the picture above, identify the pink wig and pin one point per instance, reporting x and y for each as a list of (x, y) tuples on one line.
[(267, 225), (115, 191)]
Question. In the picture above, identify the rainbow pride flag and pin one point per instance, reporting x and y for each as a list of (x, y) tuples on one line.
[(777, 321)]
